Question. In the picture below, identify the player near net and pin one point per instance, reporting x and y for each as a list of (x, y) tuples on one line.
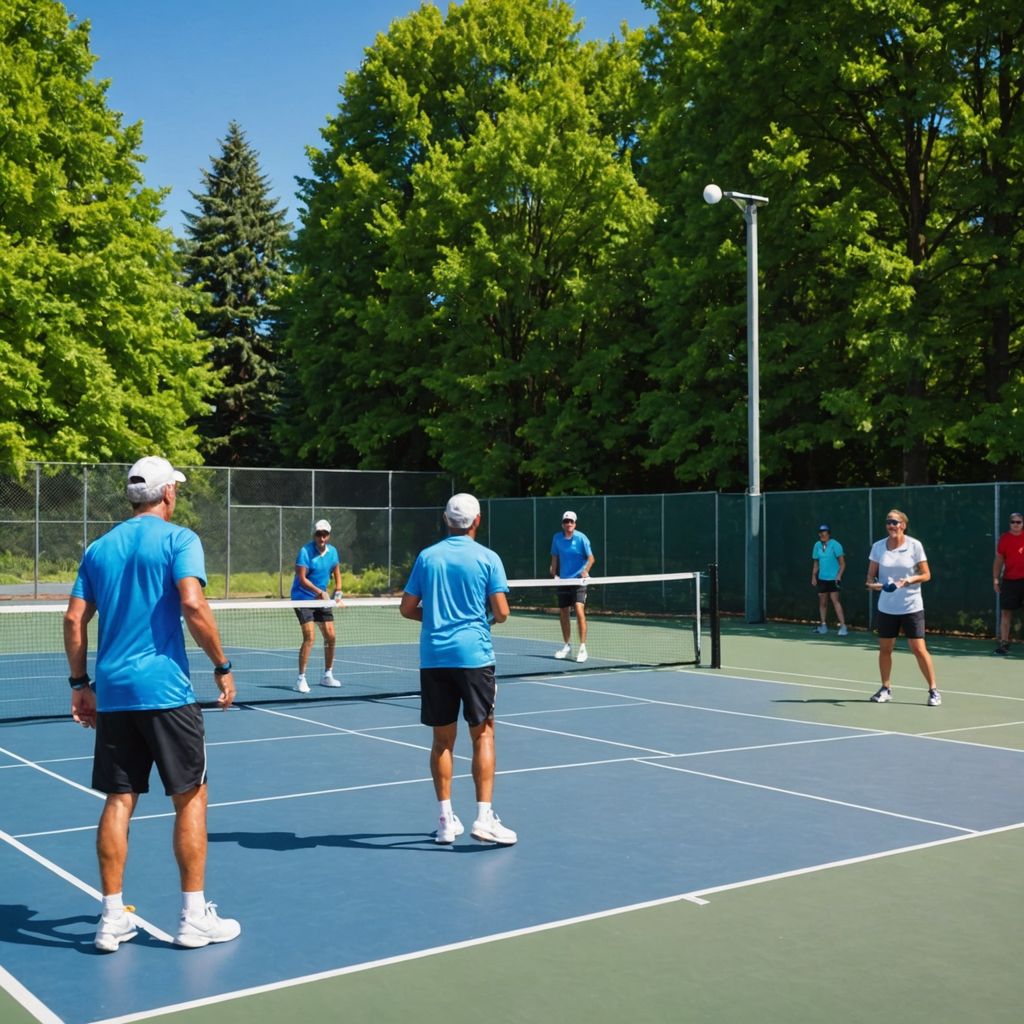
[(457, 587), (571, 558), (315, 564), (144, 577)]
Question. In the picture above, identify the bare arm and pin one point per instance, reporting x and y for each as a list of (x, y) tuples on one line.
[(307, 584), (872, 580), (76, 647), (499, 606), (924, 574), (997, 570), (585, 572), (410, 608), (201, 624), (554, 566)]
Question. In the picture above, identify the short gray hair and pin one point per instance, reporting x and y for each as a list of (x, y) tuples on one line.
[(145, 494)]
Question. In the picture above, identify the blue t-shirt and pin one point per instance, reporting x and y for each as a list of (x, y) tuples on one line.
[(572, 552), (131, 575), (827, 556), (453, 580), (318, 569)]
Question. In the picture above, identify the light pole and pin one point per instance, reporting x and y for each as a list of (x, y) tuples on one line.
[(754, 541)]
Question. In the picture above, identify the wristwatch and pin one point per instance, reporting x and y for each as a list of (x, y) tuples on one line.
[(222, 670), (79, 682)]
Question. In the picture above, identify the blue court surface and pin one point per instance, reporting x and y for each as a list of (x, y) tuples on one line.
[(626, 788)]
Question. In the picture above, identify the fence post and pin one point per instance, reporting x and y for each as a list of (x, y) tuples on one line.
[(35, 569), (227, 554)]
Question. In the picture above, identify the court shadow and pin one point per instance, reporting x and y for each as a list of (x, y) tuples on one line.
[(838, 702), (403, 842), (20, 925)]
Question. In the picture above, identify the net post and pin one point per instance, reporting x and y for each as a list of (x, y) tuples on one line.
[(714, 620)]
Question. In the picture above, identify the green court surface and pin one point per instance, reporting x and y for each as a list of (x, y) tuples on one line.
[(929, 934)]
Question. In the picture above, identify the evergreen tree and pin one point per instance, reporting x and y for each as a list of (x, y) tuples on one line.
[(235, 253), (97, 360)]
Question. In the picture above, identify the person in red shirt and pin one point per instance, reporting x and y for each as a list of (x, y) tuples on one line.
[(1008, 577)]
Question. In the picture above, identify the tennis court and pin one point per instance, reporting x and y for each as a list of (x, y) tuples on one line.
[(756, 842)]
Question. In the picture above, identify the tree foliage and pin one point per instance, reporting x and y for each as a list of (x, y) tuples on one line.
[(234, 252), (470, 279), (98, 359)]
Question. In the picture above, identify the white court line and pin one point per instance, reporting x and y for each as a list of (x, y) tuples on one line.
[(53, 775), (697, 896), (808, 796), (78, 883), (587, 739), (27, 1000)]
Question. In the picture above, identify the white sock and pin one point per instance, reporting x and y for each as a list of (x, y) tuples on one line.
[(193, 902), (483, 808), (114, 903), (446, 808)]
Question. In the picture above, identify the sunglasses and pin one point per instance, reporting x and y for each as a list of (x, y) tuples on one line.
[(1015, 521), (321, 533), (568, 520), (893, 522)]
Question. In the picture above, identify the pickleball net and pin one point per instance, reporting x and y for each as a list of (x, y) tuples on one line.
[(633, 622)]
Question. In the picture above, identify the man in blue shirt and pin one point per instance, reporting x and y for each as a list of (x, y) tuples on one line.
[(571, 558), (315, 564), (143, 577), (456, 589), (828, 563)]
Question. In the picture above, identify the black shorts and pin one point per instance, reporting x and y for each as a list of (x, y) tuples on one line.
[(305, 615), (569, 596), (912, 624), (828, 586), (442, 690), (1011, 595), (128, 743)]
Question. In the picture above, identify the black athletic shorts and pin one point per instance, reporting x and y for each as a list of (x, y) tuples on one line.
[(314, 615), (1011, 595), (569, 596), (912, 624), (443, 689), (828, 586), (129, 743)]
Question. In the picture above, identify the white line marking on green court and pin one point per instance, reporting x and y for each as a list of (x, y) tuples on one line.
[(27, 1000)]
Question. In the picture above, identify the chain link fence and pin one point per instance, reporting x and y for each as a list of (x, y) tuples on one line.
[(252, 523)]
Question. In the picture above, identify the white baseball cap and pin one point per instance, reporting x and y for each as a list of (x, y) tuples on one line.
[(154, 471), (321, 524), (461, 510), (569, 515)]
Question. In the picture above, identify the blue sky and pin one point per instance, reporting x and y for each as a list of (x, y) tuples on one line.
[(185, 68)]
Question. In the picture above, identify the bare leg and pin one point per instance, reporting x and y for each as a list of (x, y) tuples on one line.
[(1005, 621), (441, 759), (483, 760), (190, 837), (327, 628), (581, 622), (838, 607), (822, 607), (112, 840), (307, 646), (885, 646), (924, 661), (563, 615)]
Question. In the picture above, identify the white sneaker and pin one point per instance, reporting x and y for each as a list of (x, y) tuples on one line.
[(329, 680), (883, 696), (489, 829), (843, 631), (448, 829), (582, 653), (934, 698), (197, 930), (301, 685), (563, 652), (115, 929), (822, 628)]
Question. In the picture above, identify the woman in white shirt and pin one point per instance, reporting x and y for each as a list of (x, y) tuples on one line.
[(897, 568)]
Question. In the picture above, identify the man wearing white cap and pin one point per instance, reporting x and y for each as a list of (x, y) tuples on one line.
[(571, 558), (456, 589), (143, 577), (315, 564)]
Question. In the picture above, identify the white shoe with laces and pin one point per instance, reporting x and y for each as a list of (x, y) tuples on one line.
[(301, 685), (563, 652), (582, 654), (448, 829), (489, 829), (197, 930), (114, 929), (329, 680)]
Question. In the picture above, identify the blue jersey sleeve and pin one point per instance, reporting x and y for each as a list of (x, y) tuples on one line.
[(189, 559)]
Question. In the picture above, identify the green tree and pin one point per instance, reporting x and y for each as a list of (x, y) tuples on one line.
[(891, 273), (98, 359), (234, 253), (470, 275)]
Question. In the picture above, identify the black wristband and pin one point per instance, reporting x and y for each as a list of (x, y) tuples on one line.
[(222, 670), (79, 682)]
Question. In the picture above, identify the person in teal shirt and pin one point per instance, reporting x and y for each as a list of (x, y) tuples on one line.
[(827, 567)]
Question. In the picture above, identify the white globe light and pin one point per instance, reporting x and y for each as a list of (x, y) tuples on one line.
[(712, 194)]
